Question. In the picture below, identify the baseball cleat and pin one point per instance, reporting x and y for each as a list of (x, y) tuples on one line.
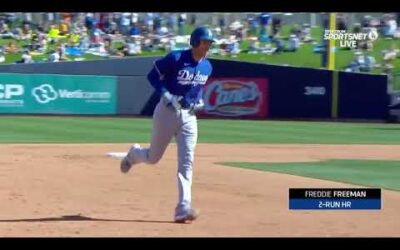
[(125, 165), (188, 215), (127, 161)]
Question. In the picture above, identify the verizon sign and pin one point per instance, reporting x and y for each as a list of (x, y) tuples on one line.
[(236, 97)]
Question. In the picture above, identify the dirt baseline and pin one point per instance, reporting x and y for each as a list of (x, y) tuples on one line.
[(75, 190)]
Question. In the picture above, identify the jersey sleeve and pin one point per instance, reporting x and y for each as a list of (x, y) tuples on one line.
[(165, 65), (161, 68)]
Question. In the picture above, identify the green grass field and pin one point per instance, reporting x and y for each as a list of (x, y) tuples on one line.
[(385, 174), (372, 173), (27, 129)]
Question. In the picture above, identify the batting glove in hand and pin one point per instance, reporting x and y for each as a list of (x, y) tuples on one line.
[(196, 107), (172, 101)]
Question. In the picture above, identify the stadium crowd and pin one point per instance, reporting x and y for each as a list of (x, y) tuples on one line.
[(61, 35)]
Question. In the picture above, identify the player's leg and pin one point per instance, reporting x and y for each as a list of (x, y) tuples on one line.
[(165, 122), (186, 139)]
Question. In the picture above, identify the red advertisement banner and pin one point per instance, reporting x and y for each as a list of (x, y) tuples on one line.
[(236, 97)]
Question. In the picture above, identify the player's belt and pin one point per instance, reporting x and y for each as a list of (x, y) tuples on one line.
[(184, 105)]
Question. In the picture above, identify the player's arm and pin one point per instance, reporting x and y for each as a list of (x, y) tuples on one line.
[(199, 103), (161, 68), (157, 75)]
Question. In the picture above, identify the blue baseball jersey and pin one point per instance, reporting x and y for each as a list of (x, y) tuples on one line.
[(181, 75)]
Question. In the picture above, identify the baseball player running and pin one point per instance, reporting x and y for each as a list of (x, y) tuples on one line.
[(178, 78)]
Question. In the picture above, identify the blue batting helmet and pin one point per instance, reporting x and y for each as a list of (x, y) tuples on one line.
[(200, 33)]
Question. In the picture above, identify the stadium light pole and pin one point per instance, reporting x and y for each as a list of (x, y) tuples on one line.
[(331, 44), (328, 55), (331, 66), (324, 54)]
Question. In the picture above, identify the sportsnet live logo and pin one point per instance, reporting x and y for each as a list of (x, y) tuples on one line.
[(349, 39)]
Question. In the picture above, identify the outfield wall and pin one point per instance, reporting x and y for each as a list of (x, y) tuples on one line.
[(236, 90)]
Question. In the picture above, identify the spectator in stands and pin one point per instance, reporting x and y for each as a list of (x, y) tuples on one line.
[(84, 42), (355, 64), (217, 33), (134, 18), (125, 24), (365, 23), (170, 45), (42, 44), (254, 46), (26, 57), (53, 34), (157, 23), (368, 63), (149, 21), (63, 28), (341, 23), (233, 46), (61, 50), (133, 46), (242, 33), (253, 26), (112, 51), (264, 37), (222, 24), (3, 28), (134, 30), (2, 57), (107, 24), (181, 23), (40, 33), (54, 56), (390, 54), (16, 33), (90, 22), (367, 44), (387, 64), (74, 38), (294, 43), (163, 31), (147, 43), (11, 48), (276, 26), (391, 27), (264, 25), (100, 18), (356, 28), (27, 19), (5, 32), (26, 32), (306, 33), (280, 47), (171, 23), (34, 45), (396, 34), (113, 28), (96, 38), (193, 20), (81, 29), (296, 30), (116, 17), (234, 28)]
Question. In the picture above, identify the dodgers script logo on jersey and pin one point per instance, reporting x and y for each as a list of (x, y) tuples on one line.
[(184, 77)]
